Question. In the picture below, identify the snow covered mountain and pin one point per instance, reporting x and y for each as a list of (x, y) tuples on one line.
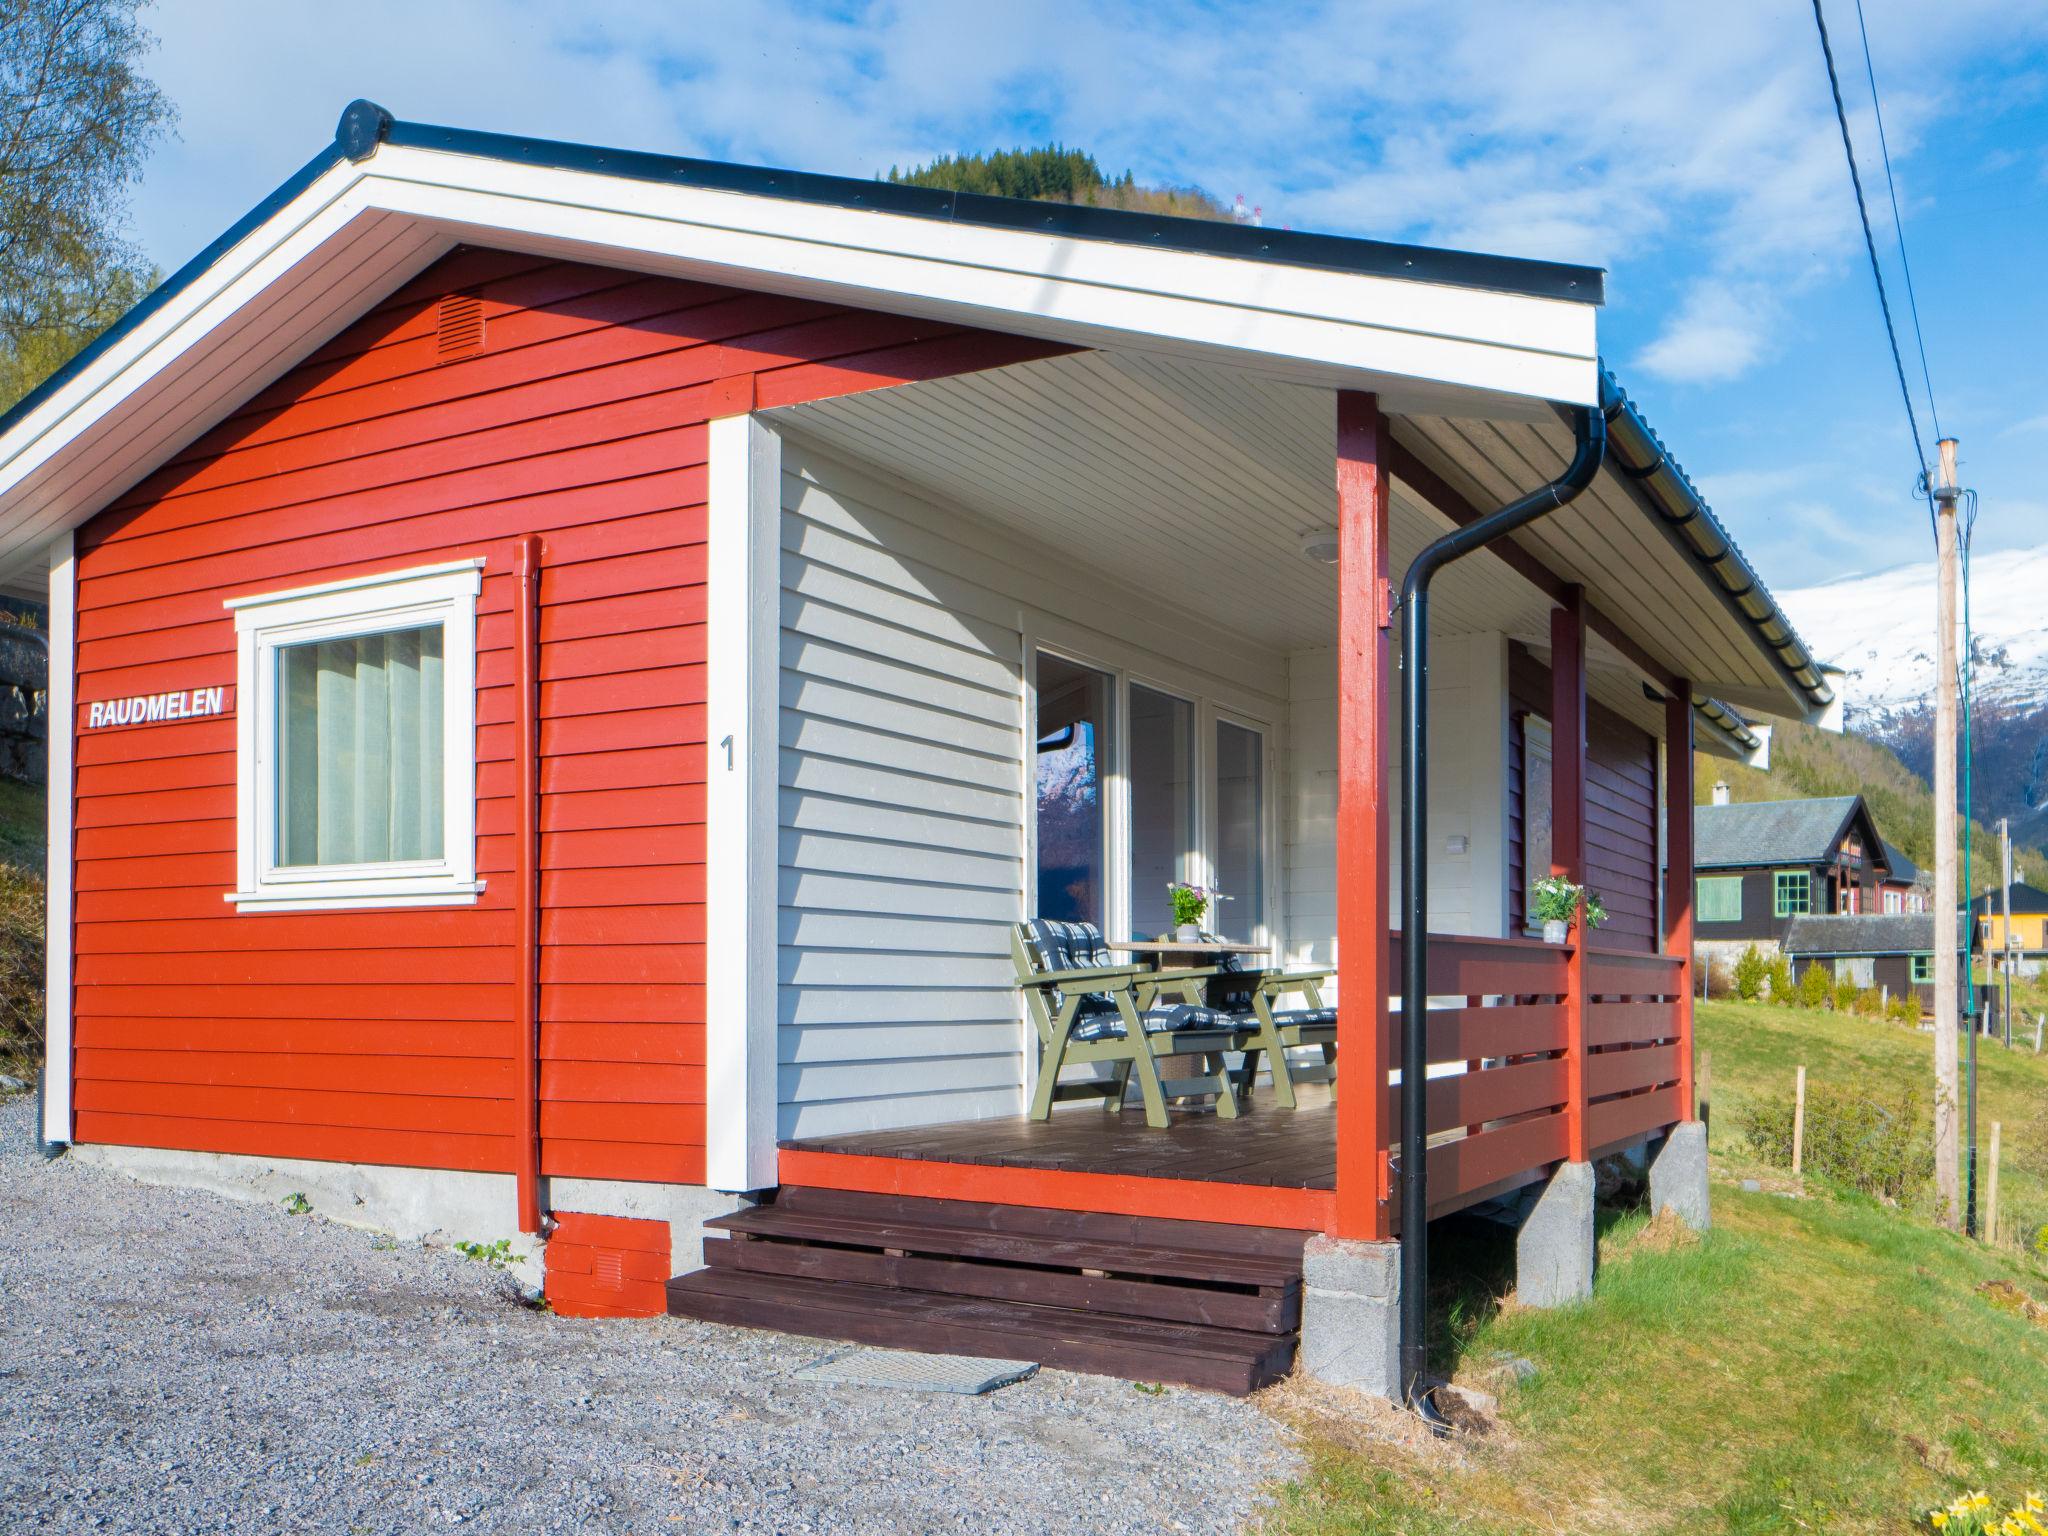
[(1880, 629)]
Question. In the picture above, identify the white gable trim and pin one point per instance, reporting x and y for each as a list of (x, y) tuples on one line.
[(359, 230)]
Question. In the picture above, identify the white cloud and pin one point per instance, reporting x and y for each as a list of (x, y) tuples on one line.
[(1591, 135), (1716, 336)]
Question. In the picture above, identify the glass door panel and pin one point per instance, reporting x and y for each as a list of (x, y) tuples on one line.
[(1075, 759), (1162, 759), (1240, 831)]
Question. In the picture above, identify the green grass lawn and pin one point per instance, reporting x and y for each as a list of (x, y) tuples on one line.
[(1823, 1363), (1755, 1050)]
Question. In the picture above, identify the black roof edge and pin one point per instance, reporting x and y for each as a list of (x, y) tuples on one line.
[(1657, 480), (1336, 253), (169, 288)]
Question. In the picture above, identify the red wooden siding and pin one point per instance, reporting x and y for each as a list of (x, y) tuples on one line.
[(607, 1266), (1621, 811), (387, 1037)]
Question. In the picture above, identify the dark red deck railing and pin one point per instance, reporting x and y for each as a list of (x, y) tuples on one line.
[(1500, 1011)]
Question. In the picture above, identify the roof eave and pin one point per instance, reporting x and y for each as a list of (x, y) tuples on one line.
[(1656, 481)]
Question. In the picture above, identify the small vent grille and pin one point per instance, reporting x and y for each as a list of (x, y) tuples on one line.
[(608, 1269), (459, 328)]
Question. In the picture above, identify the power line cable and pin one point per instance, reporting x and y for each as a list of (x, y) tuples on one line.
[(1870, 244), (1898, 223)]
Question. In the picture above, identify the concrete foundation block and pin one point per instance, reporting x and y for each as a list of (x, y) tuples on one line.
[(434, 1205), (1351, 1314), (1554, 1250), (1678, 1176)]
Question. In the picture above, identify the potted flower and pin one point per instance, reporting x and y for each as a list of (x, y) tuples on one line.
[(1557, 903), (1190, 906)]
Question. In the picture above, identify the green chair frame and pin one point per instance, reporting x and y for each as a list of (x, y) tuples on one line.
[(1054, 1000)]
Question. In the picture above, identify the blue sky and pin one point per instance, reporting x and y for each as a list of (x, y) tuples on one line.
[(1690, 149)]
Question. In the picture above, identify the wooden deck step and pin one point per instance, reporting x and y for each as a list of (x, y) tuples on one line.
[(1197, 1303), (1277, 1311), (1219, 1359), (1084, 1226), (1018, 1248)]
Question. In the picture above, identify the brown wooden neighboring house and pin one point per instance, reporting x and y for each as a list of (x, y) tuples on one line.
[(1761, 864), (1890, 951)]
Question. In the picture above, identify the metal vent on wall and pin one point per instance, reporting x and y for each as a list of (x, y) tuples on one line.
[(459, 327)]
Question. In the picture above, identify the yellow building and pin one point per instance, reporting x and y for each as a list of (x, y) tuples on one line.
[(2029, 921)]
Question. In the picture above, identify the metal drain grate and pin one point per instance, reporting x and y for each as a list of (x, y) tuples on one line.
[(897, 1370)]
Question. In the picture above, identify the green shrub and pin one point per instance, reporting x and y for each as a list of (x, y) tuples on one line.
[(21, 967), (1779, 975), (1869, 1001), (1905, 1009), (1880, 1147), (1749, 975), (1845, 995), (1816, 989)]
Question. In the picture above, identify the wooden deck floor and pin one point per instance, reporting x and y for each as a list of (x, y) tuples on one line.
[(1265, 1145)]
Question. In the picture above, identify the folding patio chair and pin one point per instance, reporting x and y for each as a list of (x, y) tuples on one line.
[(1248, 996), (1119, 1019)]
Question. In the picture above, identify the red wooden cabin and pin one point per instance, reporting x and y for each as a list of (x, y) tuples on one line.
[(555, 661)]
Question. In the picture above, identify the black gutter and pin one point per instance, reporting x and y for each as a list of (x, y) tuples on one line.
[(1728, 722), (1590, 434), (1658, 481), (364, 125)]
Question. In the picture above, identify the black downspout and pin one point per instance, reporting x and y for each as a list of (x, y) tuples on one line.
[(1589, 427)]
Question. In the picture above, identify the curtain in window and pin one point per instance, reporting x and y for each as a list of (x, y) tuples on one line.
[(1162, 789), (1240, 831), (360, 755)]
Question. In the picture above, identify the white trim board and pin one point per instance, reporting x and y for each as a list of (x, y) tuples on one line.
[(59, 932), (362, 229), (444, 594), (743, 666)]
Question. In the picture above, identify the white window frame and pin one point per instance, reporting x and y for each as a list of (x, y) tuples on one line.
[(1125, 666), (444, 594)]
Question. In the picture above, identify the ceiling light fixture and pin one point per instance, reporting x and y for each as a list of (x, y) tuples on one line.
[(1320, 546)]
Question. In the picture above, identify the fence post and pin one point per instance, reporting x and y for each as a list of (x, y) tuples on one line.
[(1798, 1122), (1991, 1192)]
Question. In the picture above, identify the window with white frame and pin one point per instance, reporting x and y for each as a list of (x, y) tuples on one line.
[(1137, 787), (356, 742)]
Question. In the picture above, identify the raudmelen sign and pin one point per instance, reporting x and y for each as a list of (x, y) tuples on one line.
[(158, 708)]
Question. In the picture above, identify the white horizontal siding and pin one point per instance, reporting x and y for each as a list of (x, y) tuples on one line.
[(1468, 795), (902, 826), (901, 777)]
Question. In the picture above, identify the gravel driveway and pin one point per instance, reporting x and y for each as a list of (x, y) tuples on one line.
[(174, 1361)]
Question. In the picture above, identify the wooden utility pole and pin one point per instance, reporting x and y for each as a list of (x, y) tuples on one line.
[(1947, 989), (2005, 935)]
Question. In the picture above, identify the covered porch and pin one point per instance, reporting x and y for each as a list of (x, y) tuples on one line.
[(1051, 635)]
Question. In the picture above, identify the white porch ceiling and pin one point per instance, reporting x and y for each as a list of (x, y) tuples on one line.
[(1194, 485)]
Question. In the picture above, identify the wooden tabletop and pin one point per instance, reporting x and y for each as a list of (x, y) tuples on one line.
[(1176, 947)]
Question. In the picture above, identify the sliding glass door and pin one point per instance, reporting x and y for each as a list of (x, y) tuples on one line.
[(1240, 843), (1162, 756), (1136, 787), (1076, 754)]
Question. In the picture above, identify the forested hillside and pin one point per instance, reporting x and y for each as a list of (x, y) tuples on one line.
[(1056, 174), (1806, 762)]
